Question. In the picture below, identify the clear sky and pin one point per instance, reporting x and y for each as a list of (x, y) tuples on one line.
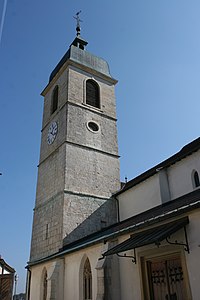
[(153, 49)]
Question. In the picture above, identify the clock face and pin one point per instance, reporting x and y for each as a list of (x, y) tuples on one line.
[(53, 129)]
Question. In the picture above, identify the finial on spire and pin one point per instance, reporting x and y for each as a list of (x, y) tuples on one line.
[(78, 20)]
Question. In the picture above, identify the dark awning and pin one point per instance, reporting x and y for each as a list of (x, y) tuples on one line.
[(149, 236)]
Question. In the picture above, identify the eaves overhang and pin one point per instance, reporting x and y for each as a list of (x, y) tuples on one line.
[(184, 152), (5, 266), (153, 235), (84, 61)]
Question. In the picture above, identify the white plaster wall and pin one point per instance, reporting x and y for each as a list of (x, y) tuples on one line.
[(146, 194), (73, 283), (179, 175), (193, 258), (35, 287), (139, 198), (130, 279), (37, 283)]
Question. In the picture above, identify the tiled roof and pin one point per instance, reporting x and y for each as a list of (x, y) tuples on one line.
[(161, 212)]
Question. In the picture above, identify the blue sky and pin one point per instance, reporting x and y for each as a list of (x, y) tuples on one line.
[(153, 49)]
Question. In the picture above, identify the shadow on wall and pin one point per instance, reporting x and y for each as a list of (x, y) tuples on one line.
[(102, 217)]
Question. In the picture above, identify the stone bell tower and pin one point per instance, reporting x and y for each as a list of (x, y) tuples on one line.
[(79, 164)]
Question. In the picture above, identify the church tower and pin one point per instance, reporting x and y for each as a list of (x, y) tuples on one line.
[(79, 164)]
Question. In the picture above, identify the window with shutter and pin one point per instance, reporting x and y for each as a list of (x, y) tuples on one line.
[(92, 93)]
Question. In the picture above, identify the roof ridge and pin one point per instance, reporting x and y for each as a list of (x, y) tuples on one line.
[(185, 151)]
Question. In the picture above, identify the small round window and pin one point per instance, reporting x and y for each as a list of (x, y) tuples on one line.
[(93, 126)]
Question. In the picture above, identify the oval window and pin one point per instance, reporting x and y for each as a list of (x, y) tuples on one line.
[(93, 126)]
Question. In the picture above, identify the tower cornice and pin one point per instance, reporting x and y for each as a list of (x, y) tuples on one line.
[(84, 61)]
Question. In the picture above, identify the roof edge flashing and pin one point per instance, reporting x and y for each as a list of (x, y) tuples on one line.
[(184, 152), (84, 58)]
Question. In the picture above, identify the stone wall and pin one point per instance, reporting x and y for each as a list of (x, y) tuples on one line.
[(89, 215), (79, 171)]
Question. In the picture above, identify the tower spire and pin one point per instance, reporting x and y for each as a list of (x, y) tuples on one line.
[(78, 20)]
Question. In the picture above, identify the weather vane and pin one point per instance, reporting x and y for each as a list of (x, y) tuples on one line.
[(78, 20)]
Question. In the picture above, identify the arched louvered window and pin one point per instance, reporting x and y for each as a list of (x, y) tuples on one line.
[(92, 93), (54, 105), (87, 281), (196, 179)]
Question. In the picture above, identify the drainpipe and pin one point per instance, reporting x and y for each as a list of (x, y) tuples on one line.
[(28, 283)]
